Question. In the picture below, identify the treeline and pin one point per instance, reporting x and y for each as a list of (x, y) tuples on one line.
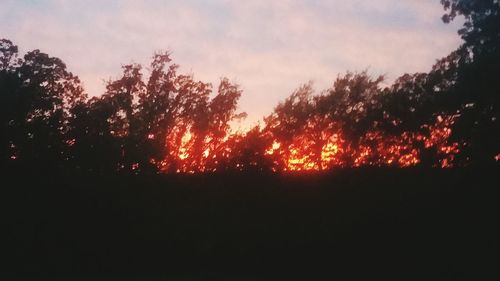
[(165, 121)]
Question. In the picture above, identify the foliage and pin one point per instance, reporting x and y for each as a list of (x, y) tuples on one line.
[(163, 121)]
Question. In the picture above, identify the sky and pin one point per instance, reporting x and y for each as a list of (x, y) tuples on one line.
[(268, 47)]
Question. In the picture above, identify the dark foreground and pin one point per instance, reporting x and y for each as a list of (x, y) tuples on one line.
[(365, 224)]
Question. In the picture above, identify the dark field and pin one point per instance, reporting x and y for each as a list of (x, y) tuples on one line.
[(361, 224)]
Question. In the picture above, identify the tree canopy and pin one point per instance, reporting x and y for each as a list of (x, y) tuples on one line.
[(161, 120)]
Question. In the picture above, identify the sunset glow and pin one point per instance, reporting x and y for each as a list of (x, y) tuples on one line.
[(376, 149)]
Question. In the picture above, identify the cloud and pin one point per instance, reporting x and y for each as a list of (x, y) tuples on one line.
[(268, 47)]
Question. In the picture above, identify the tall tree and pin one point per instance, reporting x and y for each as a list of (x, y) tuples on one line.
[(476, 87)]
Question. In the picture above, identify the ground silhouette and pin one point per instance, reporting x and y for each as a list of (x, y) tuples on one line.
[(352, 224)]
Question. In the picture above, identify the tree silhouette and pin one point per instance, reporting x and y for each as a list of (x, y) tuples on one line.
[(37, 96), (288, 121), (144, 124), (476, 88), (250, 151), (353, 103), (159, 120), (95, 148)]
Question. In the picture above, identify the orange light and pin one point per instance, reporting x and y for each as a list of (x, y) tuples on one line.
[(275, 146), (184, 149), (206, 153), (191, 153)]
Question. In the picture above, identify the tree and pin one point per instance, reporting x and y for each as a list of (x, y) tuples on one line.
[(221, 111), (250, 151), (287, 122), (481, 26), (94, 148), (476, 87), (353, 104), (37, 95)]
